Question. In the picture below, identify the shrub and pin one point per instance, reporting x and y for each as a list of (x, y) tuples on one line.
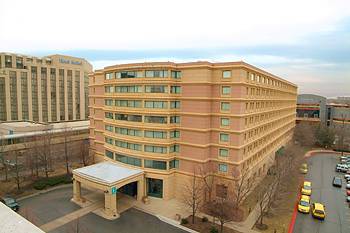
[(52, 181), (184, 221), (214, 230), (204, 219)]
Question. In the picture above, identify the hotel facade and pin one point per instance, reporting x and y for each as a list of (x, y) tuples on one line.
[(167, 120), (48, 89)]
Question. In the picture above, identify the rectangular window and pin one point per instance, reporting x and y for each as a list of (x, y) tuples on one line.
[(126, 74), (109, 128), (109, 140), (156, 119), (225, 106), (128, 160), (222, 167), (8, 61), (128, 145), (156, 89), (128, 103), (109, 89), (175, 119), (109, 154), (109, 102), (156, 149), (223, 152), (174, 149), (176, 74), (19, 62), (224, 137), (156, 73), (175, 90), (126, 117), (109, 76), (174, 164), (156, 104), (226, 74), (225, 121), (128, 89), (130, 132), (109, 115), (161, 165), (175, 134), (155, 134), (226, 90), (175, 104)]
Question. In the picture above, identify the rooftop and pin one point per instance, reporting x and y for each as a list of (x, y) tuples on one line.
[(107, 172)]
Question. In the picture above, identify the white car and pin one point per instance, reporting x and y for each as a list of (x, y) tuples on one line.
[(347, 176), (348, 186)]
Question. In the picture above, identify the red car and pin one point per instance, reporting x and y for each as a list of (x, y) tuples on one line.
[(348, 192)]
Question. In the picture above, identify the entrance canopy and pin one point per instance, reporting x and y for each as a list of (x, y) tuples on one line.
[(107, 173)]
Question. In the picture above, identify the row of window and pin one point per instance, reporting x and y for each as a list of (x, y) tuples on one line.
[(146, 148), (154, 164), (262, 92), (146, 133), (138, 104), (146, 119), (141, 74), (264, 80), (140, 89)]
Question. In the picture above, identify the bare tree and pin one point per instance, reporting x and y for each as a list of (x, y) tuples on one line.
[(208, 183), (2, 156), (304, 133), (43, 146), (193, 195), (242, 187), (66, 134), (84, 154), (17, 167)]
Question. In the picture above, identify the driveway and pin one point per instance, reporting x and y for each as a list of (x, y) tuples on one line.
[(321, 173), (47, 207)]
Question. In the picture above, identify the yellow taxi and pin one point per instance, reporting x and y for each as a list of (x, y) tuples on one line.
[(306, 189), (303, 168), (318, 211), (304, 204)]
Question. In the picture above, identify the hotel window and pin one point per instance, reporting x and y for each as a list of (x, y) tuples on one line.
[(174, 164), (129, 103), (175, 90), (3, 113), (156, 73), (130, 132), (109, 76), (8, 61), (223, 152), (156, 104), (109, 115), (126, 74), (226, 74), (128, 89), (176, 74), (155, 134), (225, 121), (109, 140), (156, 149), (175, 134), (128, 145), (223, 167), (109, 128), (252, 77), (226, 90), (175, 119), (224, 137), (24, 89), (175, 104), (77, 93), (19, 62), (109, 154), (109, 102), (174, 148), (156, 119), (128, 160), (126, 117), (161, 165), (109, 89), (156, 89), (225, 106), (13, 95)]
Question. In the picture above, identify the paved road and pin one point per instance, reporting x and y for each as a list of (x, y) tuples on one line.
[(321, 173), (52, 205)]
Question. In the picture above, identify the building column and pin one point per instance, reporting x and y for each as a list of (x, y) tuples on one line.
[(141, 189), (111, 204), (76, 190)]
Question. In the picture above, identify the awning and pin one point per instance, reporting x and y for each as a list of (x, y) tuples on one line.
[(108, 173)]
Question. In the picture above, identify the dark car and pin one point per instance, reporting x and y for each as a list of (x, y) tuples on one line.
[(337, 182), (10, 202)]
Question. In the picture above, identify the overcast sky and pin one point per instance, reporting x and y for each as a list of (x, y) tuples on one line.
[(304, 41)]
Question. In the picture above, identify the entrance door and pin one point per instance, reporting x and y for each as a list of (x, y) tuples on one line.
[(154, 187), (129, 189)]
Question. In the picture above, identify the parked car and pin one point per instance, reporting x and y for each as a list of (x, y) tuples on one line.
[(306, 189), (10, 202), (341, 168), (318, 211), (348, 192), (303, 169), (337, 182), (348, 198), (304, 204), (347, 176), (348, 186)]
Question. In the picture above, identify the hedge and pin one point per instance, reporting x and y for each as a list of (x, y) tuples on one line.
[(51, 181)]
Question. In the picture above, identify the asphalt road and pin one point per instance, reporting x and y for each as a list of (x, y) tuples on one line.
[(54, 204), (321, 173)]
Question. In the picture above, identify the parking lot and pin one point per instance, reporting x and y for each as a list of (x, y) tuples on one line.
[(47, 207), (321, 173)]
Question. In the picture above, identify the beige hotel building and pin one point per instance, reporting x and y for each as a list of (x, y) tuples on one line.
[(48, 89), (155, 123)]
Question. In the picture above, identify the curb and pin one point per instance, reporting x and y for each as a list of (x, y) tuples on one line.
[(312, 152), (175, 224), (43, 191)]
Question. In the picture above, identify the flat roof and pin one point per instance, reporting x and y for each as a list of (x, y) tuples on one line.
[(11, 222), (107, 172)]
